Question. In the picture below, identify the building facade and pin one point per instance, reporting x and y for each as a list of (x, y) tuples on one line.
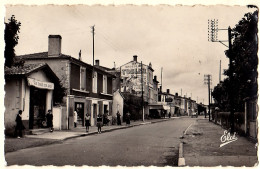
[(137, 78), (29, 88), (88, 88)]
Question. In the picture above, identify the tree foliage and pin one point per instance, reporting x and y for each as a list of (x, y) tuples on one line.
[(12, 28), (244, 55)]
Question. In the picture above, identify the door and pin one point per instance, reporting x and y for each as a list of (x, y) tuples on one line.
[(80, 110)]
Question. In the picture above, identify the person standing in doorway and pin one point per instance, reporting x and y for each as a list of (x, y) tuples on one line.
[(87, 122), (99, 123), (49, 118), (118, 118), (19, 125), (76, 117), (128, 118)]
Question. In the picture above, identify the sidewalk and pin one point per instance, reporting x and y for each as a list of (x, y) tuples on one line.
[(201, 147), (14, 144)]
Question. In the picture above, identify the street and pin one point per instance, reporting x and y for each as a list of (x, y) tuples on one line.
[(153, 144)]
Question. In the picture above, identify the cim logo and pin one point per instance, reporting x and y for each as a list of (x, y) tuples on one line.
[(227, 138)]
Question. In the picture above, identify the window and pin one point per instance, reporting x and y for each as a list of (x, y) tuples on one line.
[(105, 84), (95, 83), (159, 98), (82, 78)]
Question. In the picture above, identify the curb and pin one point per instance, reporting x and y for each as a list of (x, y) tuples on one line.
[(181, 160), (113, 129)]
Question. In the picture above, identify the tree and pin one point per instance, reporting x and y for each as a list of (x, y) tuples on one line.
[(12, 28), (245, 61)]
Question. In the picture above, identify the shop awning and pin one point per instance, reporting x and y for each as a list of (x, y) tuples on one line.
[(159, 107), (40, 84)]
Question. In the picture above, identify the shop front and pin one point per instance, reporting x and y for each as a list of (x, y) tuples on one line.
[(30, 89)]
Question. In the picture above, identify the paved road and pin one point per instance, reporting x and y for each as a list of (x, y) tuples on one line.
[(154, 144)]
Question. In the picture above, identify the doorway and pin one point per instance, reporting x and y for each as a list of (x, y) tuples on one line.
[(37, 107), (95, 113), (80, 110)]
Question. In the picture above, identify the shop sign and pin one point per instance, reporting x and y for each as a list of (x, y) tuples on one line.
[(39, 84)]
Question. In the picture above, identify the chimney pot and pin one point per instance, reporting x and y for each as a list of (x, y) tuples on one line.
[(135, 58), (97, 62), (54, 45), (168, 91)]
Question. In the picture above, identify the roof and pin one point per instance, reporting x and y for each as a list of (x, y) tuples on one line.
[(27, 69), (24, 70), (137, 62), (41, 55), (44, 55)]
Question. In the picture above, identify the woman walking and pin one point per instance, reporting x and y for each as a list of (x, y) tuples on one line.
[(49, 118), (87, 122), (76, 117), (118, 118), (19, 124), (99, 123)]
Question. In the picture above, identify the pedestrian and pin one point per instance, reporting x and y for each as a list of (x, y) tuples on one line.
[(49, 118), (75, 118), (87, 122), (19, 124), (99, 123), (128, 118), (170, 115), (118, 118)]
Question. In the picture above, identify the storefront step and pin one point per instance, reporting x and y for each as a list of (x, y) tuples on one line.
[(37, 131)]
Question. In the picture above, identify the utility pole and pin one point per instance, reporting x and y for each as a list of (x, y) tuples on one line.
[(142, 90), (93, 33), (207, 80), (213, 37), (219, 71), (211, 90), (230, 55), (161, 78)]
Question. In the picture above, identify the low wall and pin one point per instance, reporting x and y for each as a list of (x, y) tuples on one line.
[(223, 119)]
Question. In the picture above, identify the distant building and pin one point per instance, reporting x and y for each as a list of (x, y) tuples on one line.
[(89, 89), (137, 78)]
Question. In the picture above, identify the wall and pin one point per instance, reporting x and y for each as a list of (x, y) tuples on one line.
[(57, 117), (12, 103), (60, 67), (118, 104)]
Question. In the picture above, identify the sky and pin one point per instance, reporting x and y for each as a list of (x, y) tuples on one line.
[(173, 38)]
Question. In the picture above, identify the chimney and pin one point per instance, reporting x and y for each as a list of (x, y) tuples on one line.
[(135, 58), (54, 45), (80, 55), (155, 78), (97, 62), (168, 91)]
